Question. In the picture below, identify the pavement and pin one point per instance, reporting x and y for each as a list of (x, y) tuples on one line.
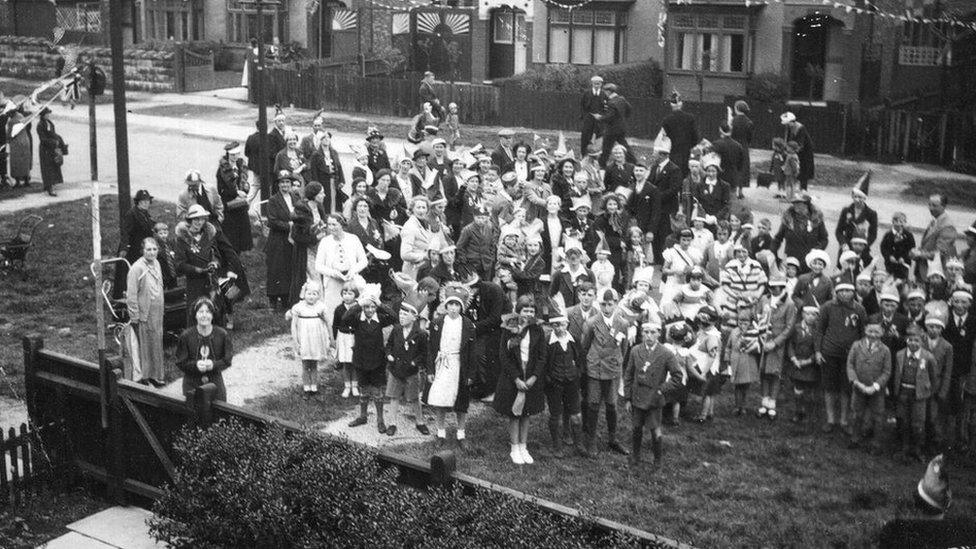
[(113, 528)]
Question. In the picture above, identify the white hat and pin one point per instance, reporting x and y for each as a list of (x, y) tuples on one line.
[(382, 255), (848, 255), (662, 144), (787, 117), (644, 274), (844, 286), (936, 320), (710, 160), (196, 211), (817, 254)]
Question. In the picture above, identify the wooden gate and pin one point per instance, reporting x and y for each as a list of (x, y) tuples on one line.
[(196, 71)]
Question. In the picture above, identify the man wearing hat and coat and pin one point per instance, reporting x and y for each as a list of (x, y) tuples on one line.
[(503, 155), (199, 193), (682, 129), (939, 237), (794, 131), (376, 157), (742, 127), (593, 101), (734, 160), (614, 119), (644, 203), (857, 217), (488, 304), (666, 176)]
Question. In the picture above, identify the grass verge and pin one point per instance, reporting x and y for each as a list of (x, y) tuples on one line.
[(315, 413), (958, 191), (45, 517), (734, 482), (57, 298)]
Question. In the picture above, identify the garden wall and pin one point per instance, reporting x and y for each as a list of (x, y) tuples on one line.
[(35, 59)]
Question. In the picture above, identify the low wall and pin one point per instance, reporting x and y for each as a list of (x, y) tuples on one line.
[(35, 59)]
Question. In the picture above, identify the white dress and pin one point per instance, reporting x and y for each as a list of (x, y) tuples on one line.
[(676, 258), (310, 331), (447, 367), (338, 255)]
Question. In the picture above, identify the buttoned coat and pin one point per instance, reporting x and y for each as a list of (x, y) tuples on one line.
[(646, 375), (782, 320), (942, 367), (923, 376), (603, 347), (939, 236)]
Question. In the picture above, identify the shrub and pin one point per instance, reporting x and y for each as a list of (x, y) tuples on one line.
[(238, 486), (768, 87), (637, 79)]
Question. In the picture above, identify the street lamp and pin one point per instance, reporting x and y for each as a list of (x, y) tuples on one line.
[(258, 83)]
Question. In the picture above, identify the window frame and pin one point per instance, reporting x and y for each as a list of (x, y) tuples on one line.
[(714, 24), (554, 23), (187, 20), (237, 22)]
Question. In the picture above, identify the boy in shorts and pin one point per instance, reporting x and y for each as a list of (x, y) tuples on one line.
[(406, 351)]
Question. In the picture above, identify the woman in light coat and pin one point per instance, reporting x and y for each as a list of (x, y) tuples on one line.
[(340, 258), (416, 236), (144, 299)]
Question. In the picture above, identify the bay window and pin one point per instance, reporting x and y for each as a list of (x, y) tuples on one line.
[(710, 42), (586, 36), (174, 20), (243, 24)]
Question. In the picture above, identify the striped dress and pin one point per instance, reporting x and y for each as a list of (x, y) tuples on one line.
[(741, 281)]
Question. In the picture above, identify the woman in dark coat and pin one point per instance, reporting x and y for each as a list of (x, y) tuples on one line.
[(742, 128), (797, 132), (388, 207), (137, 225), (857, 219), (613, 224), (324, 167), (233, 188), (308, 226), (801, 229), (20, 145), (368, 231), (291, 159), (522, 361), (278, 251), (204, 351), (50, 151), (197, 257)]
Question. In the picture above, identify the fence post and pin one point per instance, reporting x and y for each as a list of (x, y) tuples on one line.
[(442, 466), (203, 399), (32, 346), (114, 438)]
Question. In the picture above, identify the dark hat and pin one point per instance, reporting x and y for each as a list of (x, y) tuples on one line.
[(742, 106), (610, 88), (382, 172), (431, 129), (686, 233), (373, 133), (44, 111), (424, 149), (674, 98), (284, 175), (142, 194), (481, 210), (231, 146)]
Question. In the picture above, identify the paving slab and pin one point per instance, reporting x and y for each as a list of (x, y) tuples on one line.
[(74, 540), (122, 527)]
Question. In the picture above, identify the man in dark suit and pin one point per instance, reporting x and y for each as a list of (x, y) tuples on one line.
[(581, 224), (666, 176), (614, 119), (735, 163), (647, 370), (428, 95), (742, 127), (488, 304), (276, 139), (682, 129), (644, 204), (594, 101), (960, 332), (503, 155)]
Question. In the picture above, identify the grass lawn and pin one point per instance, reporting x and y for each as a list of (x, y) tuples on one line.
[(958, 191), (314, 413), (45, 517), (56, 300), (735, 482)]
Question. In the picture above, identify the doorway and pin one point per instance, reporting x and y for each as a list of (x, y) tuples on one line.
[(809, 56), (509, 43)]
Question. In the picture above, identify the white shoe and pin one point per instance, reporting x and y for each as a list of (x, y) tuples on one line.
[(355, 392), (525, 454), (346, 392), (516, 456)]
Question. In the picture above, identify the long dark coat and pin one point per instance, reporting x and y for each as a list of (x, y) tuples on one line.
[(742, 127), (20, 147), (512, 368), (331, 177), (49, 145), (486, 310), (682, 129), (368, 353), (137, 225), (237, 222), (278, 251), (848, 224), (735, 161)]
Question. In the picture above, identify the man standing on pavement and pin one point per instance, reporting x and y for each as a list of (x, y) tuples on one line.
[(594, 101), (502, 155), (939, 237), (735, 162), (682, 129), (614, 119)]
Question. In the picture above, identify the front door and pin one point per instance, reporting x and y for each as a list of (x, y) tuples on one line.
[(809, 56), (507, 50)]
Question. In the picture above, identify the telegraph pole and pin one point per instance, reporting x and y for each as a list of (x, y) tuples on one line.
[(92, 142), (118, 101)]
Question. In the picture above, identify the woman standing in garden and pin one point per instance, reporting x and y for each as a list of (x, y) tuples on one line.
[(233, 188), (204, 351), (278, 251), (339, 259), (519, 394)]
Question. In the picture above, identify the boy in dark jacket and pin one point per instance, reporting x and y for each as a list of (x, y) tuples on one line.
[(896, 247), (868, 368), (841, 324), (651, 369), (914, 367), (366, 322), (406, 352), (562, 384)]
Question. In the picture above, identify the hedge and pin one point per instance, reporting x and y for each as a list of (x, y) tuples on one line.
[(636, 79), (238, 486)]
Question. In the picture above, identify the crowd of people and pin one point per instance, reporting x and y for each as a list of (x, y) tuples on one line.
[(542, 282), (18, 116)]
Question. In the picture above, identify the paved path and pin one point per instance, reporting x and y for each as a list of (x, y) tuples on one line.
[(113, 528)]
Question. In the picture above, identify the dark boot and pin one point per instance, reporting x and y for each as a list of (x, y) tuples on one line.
[(577, 431), (657, 446), (612, 443), (380, 423), (567, 432), (361, 420), (589, 430), (636, 440), (556, 434)]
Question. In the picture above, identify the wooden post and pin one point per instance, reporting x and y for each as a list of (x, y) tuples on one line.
[(32, 346), (118, 101), (99, 314), (442, 466), (259, 92), (203, 399), (114, 440), (92, 142)]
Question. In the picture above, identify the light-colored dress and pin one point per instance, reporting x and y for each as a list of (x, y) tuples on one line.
[(603, 272), (447, 367), (676, 258), (309, 330), (690, 300), (144, 299), (415, 239), (335, 256)]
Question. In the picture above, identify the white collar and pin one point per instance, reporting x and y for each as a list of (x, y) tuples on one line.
[(553, 338), (362, 317)]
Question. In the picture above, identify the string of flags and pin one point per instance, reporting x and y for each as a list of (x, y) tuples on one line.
[(575, 5)]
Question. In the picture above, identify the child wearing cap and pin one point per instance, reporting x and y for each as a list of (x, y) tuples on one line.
[(448, 358), (868, 368), (779, 312), (896, 247), (742, 350), (893, 324), (814, 287), (477, 244), (941, 350), (603, 346), (564, 365), (406, 355), (566, 280), (366, 321), (914, 386), (652, 369), (310, 335), (801, 351), (511, 251)]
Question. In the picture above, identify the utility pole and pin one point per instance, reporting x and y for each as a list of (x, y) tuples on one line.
[(103, 368), (259, 97), (92, 142), (118, 101)]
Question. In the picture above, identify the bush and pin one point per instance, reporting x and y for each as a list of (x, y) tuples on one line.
[(238, 486), (638, 79), (768, 87)]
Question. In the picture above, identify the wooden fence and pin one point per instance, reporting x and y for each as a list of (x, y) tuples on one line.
[(132, 456), (29, 459), (934, 137), (509, 105)]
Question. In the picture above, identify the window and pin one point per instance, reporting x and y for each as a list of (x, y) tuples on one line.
[(243, 23), (922, 45), (710, 42), (174, 20), (585, 36)]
